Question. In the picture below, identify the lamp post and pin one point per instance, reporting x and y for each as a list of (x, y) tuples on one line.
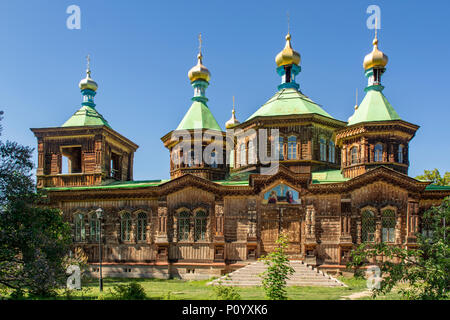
[(99, 213)]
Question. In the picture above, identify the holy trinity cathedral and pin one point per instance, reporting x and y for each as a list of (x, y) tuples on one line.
[(338, 183)]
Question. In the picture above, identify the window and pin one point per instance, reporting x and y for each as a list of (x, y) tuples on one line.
[(183, 226), (242, 155), (331, 152), (71, 160), (191, 160), (378, 152), (400, 153), (200, 226), (115, 167), (323, 149), (427, 228), (125, 227), (213, 160), (94, 228), (354, 155), (368, 226), (142, 226), (281, 148), (388, 226), (80, 229), (292, 147), (251, 152)]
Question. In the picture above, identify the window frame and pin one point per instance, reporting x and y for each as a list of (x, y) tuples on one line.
[(183, 226), (388, 223), (126, 223), (141, 226), (200, 225), (322, 149), (292, 147), (378, 152), (354, 159), (366, 223)]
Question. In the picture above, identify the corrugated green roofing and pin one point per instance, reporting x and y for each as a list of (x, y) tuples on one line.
[(435, 187), (115, 185), (289, 101), (374, 107), (328, 176), (232, 183), (86, 116), (198, 117)]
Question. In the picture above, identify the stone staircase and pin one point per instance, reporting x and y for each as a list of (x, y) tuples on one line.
[(304, 275)]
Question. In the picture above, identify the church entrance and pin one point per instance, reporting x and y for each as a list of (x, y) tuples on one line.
[(277, 219)]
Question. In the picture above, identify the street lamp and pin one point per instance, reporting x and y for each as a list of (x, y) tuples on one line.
[(99, 213)]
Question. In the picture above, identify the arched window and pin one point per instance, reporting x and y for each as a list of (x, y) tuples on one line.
[(125, 226), (251, 152), (378, 152), (331, 152), (354, 155), (242, 155), (200, 226), (368, 226), (292, 147), (323, 149), (400, 153), (281, 148), (142, 226), (94, 228), (80, 229), (388, 226), (183, 226)]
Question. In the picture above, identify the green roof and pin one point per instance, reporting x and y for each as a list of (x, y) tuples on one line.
[(86, 116), (198, 117), (436, 187), (374, 107), (328, 176), (289, 101), (115, 185)]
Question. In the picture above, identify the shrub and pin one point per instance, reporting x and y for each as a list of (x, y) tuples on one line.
[(278, 271), (226, 293), (131, 291)]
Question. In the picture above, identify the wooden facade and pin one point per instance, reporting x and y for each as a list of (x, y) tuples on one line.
[(197, 224)]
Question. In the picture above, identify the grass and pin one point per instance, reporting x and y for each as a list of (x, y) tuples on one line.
[(175, 289)]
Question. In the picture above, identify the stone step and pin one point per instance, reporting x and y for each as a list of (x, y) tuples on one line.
[(303, 276)]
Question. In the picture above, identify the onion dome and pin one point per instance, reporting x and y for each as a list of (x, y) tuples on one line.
[(199, 71), (233, 121), (376, 58), (287, 55), (87, 83)]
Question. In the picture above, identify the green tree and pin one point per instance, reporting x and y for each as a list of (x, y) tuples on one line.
[(34, 239), (425, 270), (278, 271), (435, 177)]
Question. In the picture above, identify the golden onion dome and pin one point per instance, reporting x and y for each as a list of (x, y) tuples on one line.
[(199, 71), (232, 122), (376, 58), (88, 83), (287, 55)]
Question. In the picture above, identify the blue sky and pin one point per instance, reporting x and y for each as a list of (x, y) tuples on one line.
[(142, 50)]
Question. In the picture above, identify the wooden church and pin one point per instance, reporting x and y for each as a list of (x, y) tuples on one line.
[(336, 184)]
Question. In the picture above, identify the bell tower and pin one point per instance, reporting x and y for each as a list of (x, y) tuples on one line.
[(197, 145), (85, 150), (375, 134)]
